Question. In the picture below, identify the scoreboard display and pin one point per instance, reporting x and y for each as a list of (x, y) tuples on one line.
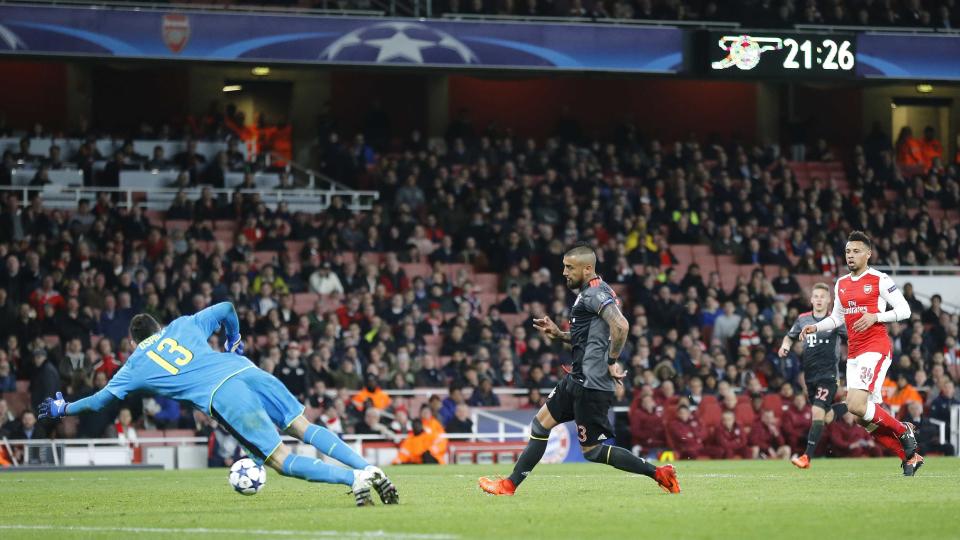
[(766, 54)]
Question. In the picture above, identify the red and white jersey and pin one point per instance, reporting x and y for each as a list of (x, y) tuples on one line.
[(870, 292)]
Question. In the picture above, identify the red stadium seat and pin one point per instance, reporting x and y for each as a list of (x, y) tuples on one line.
[(512, 320), (177, 224), (413, 270), (178, 433), (23, 386), (487, 282), (774, 403), (744, 413), (709, 412), (263, 258), (17, 402)]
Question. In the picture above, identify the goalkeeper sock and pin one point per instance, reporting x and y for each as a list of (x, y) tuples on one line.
[(314, 470), (329, 444), (813, 437), (623, 459), (528, 460)]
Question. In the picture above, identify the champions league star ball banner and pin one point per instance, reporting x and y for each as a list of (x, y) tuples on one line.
[(69, 31), (902, 56)]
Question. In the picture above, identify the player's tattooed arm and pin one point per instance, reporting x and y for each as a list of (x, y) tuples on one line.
[(619, 328)]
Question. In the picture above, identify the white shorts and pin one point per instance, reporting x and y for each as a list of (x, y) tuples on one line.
[(867, 372)]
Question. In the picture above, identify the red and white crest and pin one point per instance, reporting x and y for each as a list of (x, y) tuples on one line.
[(867, 288), (176, 31)]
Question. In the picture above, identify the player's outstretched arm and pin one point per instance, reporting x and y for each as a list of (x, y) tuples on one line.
[(223, 313), (57, 407)]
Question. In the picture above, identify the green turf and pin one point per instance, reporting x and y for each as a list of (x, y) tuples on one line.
[(836, 499)]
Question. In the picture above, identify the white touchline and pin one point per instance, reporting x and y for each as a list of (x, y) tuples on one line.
[(252, 532)]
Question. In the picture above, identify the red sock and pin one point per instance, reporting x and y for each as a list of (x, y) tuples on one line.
[(888, 440), (882, 418)]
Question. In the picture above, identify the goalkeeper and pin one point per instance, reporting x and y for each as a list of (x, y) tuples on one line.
[(177, 362)]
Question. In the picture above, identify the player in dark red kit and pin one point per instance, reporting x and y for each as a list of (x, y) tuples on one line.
[(860, 302), (597, 334)]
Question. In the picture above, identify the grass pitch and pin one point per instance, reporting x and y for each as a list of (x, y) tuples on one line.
[(720, 499)]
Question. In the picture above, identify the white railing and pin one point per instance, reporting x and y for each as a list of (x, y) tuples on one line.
[(308, 200), (54, 449), (920, 270)]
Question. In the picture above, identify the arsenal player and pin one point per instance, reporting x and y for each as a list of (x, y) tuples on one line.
[(860, 301)]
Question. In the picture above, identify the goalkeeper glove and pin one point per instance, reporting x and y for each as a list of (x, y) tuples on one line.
[(235, 344), (53, 407)]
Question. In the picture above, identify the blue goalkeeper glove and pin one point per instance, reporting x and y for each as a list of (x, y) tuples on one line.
[(53, 407), (235, 344)]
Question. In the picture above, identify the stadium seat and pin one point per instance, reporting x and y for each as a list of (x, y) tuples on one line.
[(413, 270), (487, 282), (177, 224), (178, 433), (17, 402), (774, 403), (709, 411), (744, 413), (150, 434), (512, 320), (263, 258)]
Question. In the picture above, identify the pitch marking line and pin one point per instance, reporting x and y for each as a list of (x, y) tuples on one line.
[(250, 532)]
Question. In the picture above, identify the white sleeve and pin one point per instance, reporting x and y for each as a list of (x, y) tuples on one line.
[(894, 297), (835, 320)]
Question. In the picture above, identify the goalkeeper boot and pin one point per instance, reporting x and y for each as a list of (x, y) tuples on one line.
[(383, 486), (362, 486)]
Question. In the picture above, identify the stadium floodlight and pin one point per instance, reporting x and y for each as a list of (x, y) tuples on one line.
[(232, 88), (260, 71), (924, 88)]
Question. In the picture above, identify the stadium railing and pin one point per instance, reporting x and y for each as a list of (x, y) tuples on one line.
[(158, 198), (191, 452)]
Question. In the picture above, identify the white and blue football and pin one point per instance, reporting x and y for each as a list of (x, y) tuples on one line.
[(246, 477)]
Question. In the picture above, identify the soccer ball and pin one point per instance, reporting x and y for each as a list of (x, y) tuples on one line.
[(246, 477)]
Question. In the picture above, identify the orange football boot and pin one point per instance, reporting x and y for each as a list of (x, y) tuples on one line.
[(666, 477), (801, 462), (497, 486)]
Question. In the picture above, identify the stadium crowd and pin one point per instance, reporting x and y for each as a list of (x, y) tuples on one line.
[(943, 14), (490, 202)]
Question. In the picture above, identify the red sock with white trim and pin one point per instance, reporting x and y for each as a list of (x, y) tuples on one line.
[(882, 418), (888, 440)]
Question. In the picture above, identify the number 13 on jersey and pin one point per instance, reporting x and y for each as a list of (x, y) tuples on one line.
[(168, 345)]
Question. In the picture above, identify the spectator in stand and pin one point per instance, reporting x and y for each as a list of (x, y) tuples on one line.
[(372, 425), (8, 381), (796, 419), (848, 439), (930, 147), (45, 381), (766, 441), (686, 434), (461, 422), (909, 149), (903, 394), (29, 429), (728, 440), (371, 391), (483, 396), (324, 281)]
